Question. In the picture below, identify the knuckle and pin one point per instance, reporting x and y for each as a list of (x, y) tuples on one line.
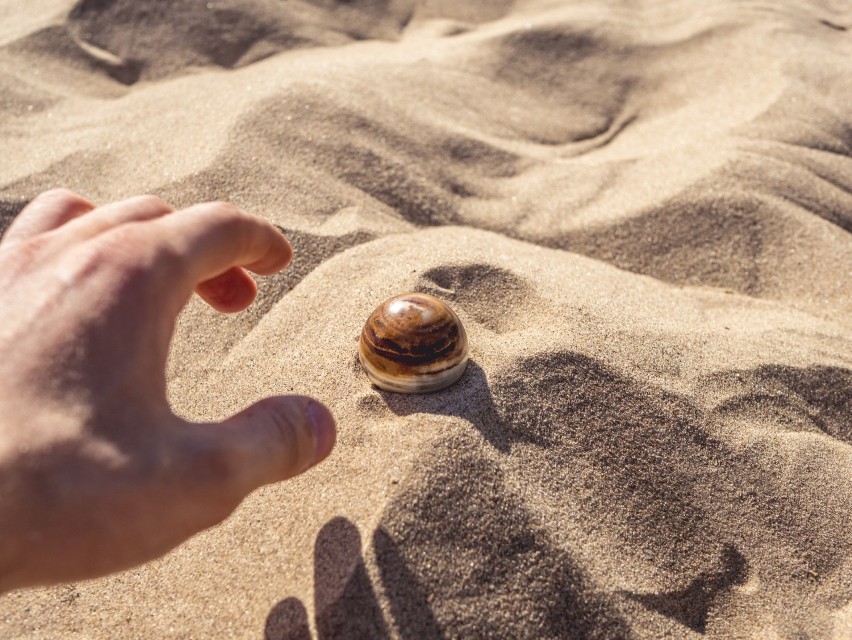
[(84, 264), (62, 195), (153, 202), (228, 219), (24, 256), (221, 211), (63, 199), (122, 252), (28, 251), (117, 245)]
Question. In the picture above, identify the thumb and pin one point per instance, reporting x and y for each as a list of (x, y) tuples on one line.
[(272, 440)]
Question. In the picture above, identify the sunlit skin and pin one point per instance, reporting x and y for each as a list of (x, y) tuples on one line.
[(97, 474)]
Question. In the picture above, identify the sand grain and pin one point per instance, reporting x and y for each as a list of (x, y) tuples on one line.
[(640, 211)]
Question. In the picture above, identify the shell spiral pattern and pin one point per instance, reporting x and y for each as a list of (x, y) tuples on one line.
[(413, 343)]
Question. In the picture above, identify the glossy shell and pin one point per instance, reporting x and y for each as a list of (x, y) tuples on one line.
[(413, 343)]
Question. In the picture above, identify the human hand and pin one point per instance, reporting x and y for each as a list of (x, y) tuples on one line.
[(96, 472)]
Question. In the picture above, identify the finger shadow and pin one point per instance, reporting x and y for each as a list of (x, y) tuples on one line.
[(461, 555), (288, 620), (470, 398), (345, 602)]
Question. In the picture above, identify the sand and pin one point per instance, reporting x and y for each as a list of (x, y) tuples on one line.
[(642, 212)]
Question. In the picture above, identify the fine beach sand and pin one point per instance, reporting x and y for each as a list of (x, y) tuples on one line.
[(642, 212)]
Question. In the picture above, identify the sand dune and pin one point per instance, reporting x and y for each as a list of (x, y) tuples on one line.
[(640, 211)]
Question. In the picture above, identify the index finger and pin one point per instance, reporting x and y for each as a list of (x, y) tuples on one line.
[(209, 239), (46, 212)]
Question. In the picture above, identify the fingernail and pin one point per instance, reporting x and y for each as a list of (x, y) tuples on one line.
[(323, 428)]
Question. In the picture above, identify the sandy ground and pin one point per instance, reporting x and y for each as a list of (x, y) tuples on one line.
[(641, 210)]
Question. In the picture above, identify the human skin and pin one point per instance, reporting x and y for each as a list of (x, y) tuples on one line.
[(97, 474)]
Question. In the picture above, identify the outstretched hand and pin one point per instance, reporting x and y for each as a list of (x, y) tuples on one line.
[(96, 472)]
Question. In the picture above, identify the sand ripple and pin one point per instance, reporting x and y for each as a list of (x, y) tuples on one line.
[(641, 212)]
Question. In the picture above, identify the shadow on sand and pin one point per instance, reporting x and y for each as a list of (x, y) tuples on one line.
[(344, 598)]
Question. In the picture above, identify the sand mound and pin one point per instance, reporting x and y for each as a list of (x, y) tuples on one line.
[(640, 211), (132, 41)]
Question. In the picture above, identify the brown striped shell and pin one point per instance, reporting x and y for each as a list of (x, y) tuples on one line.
[(413, 343)]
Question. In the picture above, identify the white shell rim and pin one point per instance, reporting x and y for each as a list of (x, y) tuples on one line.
[(423, 383)]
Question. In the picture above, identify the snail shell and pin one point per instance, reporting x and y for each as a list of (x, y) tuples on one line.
[(413, 343)]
